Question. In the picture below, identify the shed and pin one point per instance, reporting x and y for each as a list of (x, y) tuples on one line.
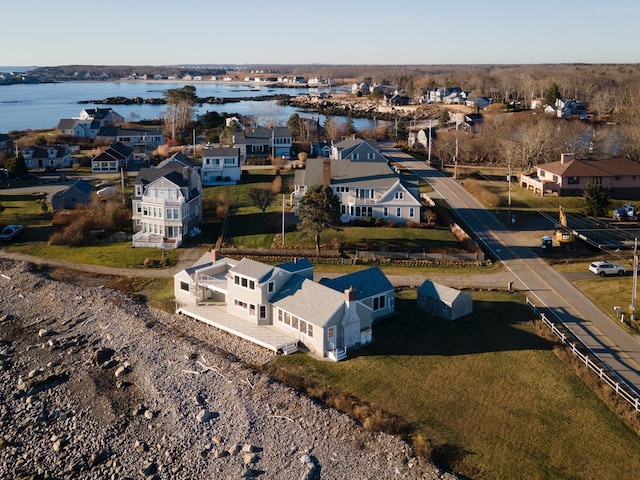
[(444, 302), (79, 192)]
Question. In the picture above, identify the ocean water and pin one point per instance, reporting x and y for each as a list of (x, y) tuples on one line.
[(38, 106)]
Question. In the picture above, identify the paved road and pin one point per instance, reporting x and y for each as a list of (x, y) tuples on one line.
[(544, 285)]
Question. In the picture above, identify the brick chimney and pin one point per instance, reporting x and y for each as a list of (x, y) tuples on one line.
[(565, 157), (215, 255), (326, 171), (350, 295)]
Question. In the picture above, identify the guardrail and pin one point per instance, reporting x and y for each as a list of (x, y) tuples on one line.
[(600, 368)]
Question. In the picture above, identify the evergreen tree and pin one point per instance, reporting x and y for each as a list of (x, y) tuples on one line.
[(319, 210), (596, 198)]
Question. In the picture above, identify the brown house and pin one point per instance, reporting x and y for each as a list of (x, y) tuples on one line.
[(570, 175)]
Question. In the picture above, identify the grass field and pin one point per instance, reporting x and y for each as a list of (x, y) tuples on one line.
[(485, 396), (117, 254)]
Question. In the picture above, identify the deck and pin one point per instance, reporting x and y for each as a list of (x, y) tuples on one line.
[(266, 336)]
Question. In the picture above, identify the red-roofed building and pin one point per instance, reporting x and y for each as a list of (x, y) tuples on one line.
[(570, 175)]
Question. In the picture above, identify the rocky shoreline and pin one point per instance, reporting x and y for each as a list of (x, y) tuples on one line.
[(96, 385), (162, 101)]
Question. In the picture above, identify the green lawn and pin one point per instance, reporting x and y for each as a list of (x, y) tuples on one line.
[(488, 394), (118, 254)]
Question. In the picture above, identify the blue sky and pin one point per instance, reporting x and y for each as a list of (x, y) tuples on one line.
[(162, 32)]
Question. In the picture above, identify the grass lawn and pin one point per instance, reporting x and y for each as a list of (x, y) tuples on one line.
[(486, 393), (119, 254)]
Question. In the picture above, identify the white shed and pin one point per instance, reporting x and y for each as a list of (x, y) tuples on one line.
[(444, 302)]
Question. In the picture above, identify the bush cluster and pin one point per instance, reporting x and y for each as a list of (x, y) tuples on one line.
[(78, 227)]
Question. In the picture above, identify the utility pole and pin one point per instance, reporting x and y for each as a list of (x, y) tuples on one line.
[(509, 186), (429, 154), (455, 158), (635, 280), (283, 219)]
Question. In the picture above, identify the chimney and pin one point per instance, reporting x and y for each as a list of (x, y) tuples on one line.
[(215, 255), (326, 171), (565, 157), (350, 295)]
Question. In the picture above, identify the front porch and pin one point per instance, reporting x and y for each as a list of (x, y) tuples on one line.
[(215, 314)]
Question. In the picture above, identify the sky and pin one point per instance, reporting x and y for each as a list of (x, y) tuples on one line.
[(401, 32)]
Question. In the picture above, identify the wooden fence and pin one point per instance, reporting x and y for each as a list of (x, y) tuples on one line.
[(466, 256), (590, 359)]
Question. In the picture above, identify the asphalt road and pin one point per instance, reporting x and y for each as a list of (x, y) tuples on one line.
[(515, 248)]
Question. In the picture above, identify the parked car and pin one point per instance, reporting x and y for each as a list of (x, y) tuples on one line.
[(607, 268), (27, 177), (107, 191), (10, 232)]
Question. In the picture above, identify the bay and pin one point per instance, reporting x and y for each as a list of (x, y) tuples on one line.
[(41, 106)]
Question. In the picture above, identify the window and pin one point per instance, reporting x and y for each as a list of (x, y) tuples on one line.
[(554, 178), (573, 180), (398, 212), (184, 286), (385, 212), (356, 156), (236, 279), (263, 311), (229, 161), (618, 177), (378, 302), (399, 195), (244, 282), (331, 333), (411, 212), (371, 156), (270, 287)]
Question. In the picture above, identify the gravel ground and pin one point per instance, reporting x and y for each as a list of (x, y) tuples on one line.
[(95, 385)]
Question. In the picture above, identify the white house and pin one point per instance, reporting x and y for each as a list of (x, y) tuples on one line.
[(52, 156), (166, 205), (262, 142), (444, 302), (364, 189), (88, 124), (220, 166), (279, 307), (357, 149)]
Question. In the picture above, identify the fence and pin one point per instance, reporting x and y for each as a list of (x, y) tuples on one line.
[(467, 256), (604, 372)]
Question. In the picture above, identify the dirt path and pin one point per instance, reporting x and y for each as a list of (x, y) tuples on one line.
[(188, 257)]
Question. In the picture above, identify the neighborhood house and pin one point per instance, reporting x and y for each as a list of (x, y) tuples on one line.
[(166, 205), (280, 307), (444, 302), (365, 189), (570, 176)]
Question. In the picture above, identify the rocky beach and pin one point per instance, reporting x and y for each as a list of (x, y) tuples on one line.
[(95, 384)]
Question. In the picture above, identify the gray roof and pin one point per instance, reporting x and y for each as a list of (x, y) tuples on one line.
[(347, 172), (221, 152), (446, 295), (367, 283), (308, 300), (253, 269), (296, 265)]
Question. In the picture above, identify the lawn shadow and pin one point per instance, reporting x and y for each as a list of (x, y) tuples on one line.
[(492, 327)]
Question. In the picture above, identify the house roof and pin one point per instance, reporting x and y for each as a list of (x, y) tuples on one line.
[(181, 158), (82, 186), (43, 151), (609, 167), (297, 265), (367, 283), (446, 295), (113, 131), (173, 171), (351, 173), (308, 300), (117, 151), (221, 152), (253, 269)]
